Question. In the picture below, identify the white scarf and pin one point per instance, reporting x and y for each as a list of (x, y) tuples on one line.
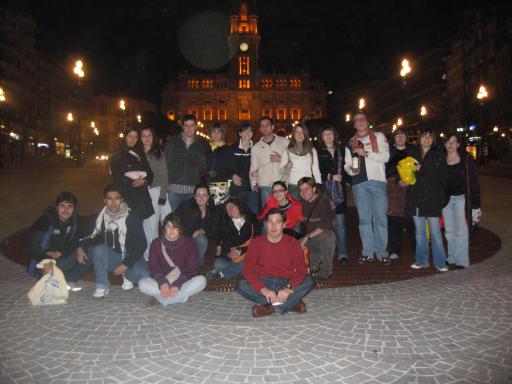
[(112, 222)]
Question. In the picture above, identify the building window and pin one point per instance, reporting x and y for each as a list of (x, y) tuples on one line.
[(244, 84), (171, 115), (222, 115), (295, 114), (193, 84), (207, 115), (266, 83), (267, 112), (281, 83), (281, 114), (206, 83), (295, 83), (244, 65), (244, 114)]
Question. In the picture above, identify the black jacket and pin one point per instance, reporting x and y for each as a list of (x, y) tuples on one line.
[(329, 166), (48, 233), (218, 164), (231, 237), (190, 215), (472, 186), (135, 242), (395, 155), (185, 164), (240, 165), (138, 199), (428, 194)]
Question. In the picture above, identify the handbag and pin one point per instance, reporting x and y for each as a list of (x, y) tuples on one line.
[(241, 258), (175, 271), (49, 289), (334, 188)]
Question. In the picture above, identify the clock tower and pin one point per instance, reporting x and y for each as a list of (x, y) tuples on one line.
[(244, 41)]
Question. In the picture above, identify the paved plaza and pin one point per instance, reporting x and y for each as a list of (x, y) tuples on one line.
[(446, 328)]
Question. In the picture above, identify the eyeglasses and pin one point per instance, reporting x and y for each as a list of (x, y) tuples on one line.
[(278, 190)]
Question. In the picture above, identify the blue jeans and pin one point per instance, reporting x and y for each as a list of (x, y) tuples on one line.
[(201, 243), (276, 284), (229, 269), (436, 239), (251, 199), (265, 192), (72, 269), (106, 259), (371, 198), (341, 235), (149, 286), (175, 199), (456, 231)]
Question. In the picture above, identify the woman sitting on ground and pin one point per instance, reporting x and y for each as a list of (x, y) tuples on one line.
[(290, 206), (174, 266), (238, 229)]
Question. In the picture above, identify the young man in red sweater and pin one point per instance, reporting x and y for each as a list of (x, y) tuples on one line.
[(275, 273)]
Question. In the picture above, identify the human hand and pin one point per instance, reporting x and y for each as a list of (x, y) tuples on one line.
[(120, 269), (361, 152), (402, 184), (303, 241), (275, 157), (165, 290), (255, 188), (283, 294), (81, 256), (198, 233), (54, 254), (162, 201), (254, 174), (173, 291), (269, 295), (476, 215), (288, 167), (48, 268), (337, 178), (140, 182), (237, 180)]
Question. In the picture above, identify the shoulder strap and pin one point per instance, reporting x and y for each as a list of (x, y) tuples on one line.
[(166, 256), (312, 209)]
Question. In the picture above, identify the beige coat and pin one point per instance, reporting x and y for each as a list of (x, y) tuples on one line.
[(268, 172)]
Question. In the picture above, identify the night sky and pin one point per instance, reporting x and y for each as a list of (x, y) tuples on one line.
[(131, 47)]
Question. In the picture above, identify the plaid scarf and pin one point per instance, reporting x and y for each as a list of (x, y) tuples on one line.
[(112, 222)]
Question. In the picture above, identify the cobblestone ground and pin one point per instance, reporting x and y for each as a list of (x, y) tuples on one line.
[(446, 328)]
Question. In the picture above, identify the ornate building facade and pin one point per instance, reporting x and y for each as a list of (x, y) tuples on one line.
[(245, 93)]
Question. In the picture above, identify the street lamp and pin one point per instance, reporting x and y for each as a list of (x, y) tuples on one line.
[(348, 117), (139, 119), (79, 71), (122, 104), (482, 93), (405, 70), (362, 103), (399, 122), (423, 111), (2, 95), (495, 129), (70, 117)]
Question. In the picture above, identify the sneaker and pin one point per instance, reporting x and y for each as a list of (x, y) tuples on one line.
[(213, 274), (127, 284), (393, 256), (73, 287), (442, 269), (385, 260), (100, 293), (417, 266), (365, 259)]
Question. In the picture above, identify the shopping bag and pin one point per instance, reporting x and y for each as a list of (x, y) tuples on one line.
[(49, 289), (406, 170)]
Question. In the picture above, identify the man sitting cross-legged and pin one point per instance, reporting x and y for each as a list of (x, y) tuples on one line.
[(275, 272), (117, 243)]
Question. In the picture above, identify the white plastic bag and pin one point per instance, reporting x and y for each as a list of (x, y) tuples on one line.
[(51, 288)]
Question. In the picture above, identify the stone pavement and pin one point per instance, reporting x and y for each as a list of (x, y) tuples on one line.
[(446, 328)]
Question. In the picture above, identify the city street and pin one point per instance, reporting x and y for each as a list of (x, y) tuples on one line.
[(446, 328)]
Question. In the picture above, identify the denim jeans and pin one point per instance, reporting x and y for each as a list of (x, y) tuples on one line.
[(201, 243), (436, 239), (265, 192), (251, 199), (106, 259), (456, 231), (372, 205), (276, 284), (72, 269), (175, 199), (229, 269), (341, 235), (149, 286)]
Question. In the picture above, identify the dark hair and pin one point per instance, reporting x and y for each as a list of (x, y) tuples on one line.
[(308, 145), (113, 188), (328, 127), (243, 126), (275, 211), (201, 186), (215, 126), (66, 197), (460, 139), (137, 148), (281, 183), (307, 180), (155, 149), (265, 118), (424, 132), (189, 117), (176, 222), (244, 211)]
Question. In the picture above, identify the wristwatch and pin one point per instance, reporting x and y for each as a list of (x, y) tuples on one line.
[(289, 286)]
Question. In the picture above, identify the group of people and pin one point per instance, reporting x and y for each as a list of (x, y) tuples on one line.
[(280, 217)]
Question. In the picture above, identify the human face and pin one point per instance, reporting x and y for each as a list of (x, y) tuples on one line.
[(266, 128), (171, 232), (360, 122), (216, 135), (233, 211), (452, 145), (275, 227), (299, 135), (307, 192), (328, 138), (201, 197), (146, 136), (426, 141), (246, 135), (279, 193), (113, 201), (131, 138), (189, 128), (400, 139), (65, 210)]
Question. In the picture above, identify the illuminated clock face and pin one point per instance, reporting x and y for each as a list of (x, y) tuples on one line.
[(244, 47)]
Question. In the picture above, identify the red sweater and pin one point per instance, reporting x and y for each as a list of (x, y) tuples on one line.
[(293, 214), (284, 259)]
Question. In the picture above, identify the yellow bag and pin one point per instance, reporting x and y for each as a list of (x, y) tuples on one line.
[(406, 170), (49, 289)]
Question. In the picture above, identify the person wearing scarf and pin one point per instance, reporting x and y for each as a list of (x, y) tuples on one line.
[(117, 242), (174, 266), (369, 187)]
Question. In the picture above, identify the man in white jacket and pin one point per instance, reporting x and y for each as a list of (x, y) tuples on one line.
[(266, 159), (371, 151)]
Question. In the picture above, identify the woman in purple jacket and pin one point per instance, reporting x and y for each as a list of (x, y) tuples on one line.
[(174, 266)]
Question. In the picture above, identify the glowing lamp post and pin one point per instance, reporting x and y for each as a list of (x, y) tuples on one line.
[(423, 111), (2, 95), (362, 104), (70, 117)]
